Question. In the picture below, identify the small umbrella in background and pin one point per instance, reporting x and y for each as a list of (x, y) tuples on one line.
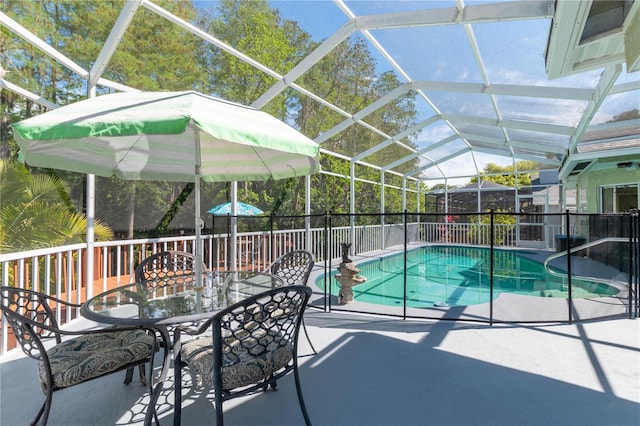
[(224, 209), (242, 209)]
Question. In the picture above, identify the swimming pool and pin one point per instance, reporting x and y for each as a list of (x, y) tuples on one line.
[(459, 276)]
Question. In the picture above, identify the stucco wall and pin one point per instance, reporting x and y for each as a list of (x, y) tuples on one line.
[(590, 182)]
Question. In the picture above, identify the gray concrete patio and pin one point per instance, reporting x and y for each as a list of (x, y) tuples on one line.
[(379, 371)]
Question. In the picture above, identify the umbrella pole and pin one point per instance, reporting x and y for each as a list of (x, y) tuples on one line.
[(228, 254), (234, 229), (90, 238), (198, 224), (198, 219)]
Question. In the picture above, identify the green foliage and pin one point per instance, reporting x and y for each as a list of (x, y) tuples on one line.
[(442, 187), (627, 115), (484, 222), (256, 31), (506, 176), (33, 215), (175, 206)]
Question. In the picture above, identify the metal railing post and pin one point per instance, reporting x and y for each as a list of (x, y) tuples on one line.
[(568, 228), (634, 264), (404, 283), (630, 280), (491, 255), (327, 271)]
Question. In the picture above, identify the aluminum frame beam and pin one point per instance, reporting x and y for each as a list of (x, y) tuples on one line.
[(542, 147), (27, 94), (512, 124), (543, 160), (39, 44)]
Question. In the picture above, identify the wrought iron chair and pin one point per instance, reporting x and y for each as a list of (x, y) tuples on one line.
[(294, 268), (85, 356), (246, 347), (160, 269), (165, 266)]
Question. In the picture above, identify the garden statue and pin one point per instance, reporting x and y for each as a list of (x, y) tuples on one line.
[(348, 277)]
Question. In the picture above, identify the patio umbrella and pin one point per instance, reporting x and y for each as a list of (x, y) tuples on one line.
[(242, 209), (224, 209), (170, 136)]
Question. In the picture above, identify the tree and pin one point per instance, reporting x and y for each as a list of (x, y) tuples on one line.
[(442, 187), (34, 213), (506, 175), (347, 78), (21, 65), (627, 115), (256, 30), (504, 224)]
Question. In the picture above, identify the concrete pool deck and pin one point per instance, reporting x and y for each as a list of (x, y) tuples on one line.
[(372, 371), (379, 371)]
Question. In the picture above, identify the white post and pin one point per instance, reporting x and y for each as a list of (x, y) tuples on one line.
[(307, 212), (90, 206), (382, 238), (404, 193), (352, 209), (198, 223), (233, 249), (91, 215)]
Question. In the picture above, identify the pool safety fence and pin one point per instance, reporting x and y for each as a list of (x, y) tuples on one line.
[(590, 264)]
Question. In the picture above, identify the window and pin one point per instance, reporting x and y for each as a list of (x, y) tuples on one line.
[(619, 199)]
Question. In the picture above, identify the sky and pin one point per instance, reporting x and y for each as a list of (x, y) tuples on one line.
[(512, 52)]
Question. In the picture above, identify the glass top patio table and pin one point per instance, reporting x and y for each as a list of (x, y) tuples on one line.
[(177, 300), (163, 304)]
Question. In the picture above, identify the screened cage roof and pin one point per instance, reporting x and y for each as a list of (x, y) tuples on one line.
[(482, 186), (494, 82)]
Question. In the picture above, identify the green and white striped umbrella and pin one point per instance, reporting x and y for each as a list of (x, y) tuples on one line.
[(172, 136), (168, 136)]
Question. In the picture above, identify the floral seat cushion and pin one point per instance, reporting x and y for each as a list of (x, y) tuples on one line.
[(248, 358), (93, 355)]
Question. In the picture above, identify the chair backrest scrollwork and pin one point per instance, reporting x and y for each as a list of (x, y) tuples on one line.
[(293, 268), (166, 265), (32, 317)]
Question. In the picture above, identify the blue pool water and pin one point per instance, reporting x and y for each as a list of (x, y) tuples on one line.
[(459, 276)]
